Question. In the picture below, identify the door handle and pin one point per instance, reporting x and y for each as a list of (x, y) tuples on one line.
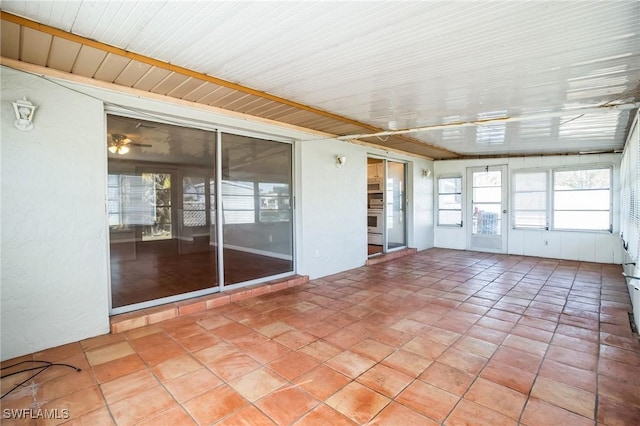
[(504, 211)]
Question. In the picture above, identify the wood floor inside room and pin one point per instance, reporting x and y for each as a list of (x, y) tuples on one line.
[(374, 249), (156, 270), (442, 337)]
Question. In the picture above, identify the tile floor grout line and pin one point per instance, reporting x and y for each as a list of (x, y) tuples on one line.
[(518, 420), (159, 380), (535, 379), (461, 397), (511, 277), (98, 385), (291, 384), (477, 376)]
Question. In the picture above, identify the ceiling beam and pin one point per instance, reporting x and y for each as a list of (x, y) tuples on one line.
[(492, 121)]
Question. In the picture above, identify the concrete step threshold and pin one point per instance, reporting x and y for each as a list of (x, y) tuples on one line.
[(385, 257), (143, 317)]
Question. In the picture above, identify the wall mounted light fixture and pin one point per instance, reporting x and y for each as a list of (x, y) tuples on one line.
[(24, 111), (341, 160), (426, 173)]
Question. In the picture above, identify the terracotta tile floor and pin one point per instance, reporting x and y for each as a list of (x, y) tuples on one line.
[(441, 337)]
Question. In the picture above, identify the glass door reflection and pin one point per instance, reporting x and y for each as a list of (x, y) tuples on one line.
[(161, 213), (165, 228), (256, 208), (396, 205)]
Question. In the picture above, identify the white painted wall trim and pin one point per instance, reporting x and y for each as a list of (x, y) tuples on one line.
[(590, 246)]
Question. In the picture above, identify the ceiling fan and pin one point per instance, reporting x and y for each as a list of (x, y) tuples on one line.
[(120, 144)]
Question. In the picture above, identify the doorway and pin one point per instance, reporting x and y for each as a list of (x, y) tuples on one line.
[(194, 211), (488, 212), (386, 206)]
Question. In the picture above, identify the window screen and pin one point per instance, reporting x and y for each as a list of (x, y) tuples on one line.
[(582, 199), (450, 201), (530, 200), (630, 197)]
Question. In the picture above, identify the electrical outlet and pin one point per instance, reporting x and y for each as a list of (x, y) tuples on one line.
[(317, 253)]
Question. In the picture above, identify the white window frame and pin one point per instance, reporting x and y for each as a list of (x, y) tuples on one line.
[(282, 205), (232, 202), (547, 196), (585, 167), (438, 194)]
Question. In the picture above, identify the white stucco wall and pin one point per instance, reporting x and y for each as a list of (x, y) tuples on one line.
[(601, 247), (421, 204), (331, 208), (332, 205), (55, 286), (54, 244)]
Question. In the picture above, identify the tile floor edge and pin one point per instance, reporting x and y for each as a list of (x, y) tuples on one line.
[(143, 317), (390, 256)]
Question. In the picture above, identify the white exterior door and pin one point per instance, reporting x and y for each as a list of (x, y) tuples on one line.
[(487, 217)]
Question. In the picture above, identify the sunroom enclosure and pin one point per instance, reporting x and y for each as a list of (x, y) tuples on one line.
[(176, 195)]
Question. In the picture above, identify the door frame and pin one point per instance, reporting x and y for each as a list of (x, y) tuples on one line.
[(158, 117), (488, 243), (385, 236), (404, 207)]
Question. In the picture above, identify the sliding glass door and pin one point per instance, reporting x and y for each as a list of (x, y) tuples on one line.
[(163, 224), (161, 241), (256, 207), (386, 206), (396, 205)]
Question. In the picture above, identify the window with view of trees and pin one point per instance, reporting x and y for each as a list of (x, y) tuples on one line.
[(582, 199), (274, 202), (130, 201), (194, 201)]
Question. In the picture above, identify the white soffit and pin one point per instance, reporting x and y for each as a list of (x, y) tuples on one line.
[(397, 64)]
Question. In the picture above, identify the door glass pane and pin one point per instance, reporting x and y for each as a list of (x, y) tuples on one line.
[(194, 201), (161, 219), (256, 206), (487, 179), (159, 197), (396, 226), (487, 195), (486, 219), (487, 203)]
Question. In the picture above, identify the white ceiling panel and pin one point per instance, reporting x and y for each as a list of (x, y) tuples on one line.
[(58, 14), (395, 65)]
